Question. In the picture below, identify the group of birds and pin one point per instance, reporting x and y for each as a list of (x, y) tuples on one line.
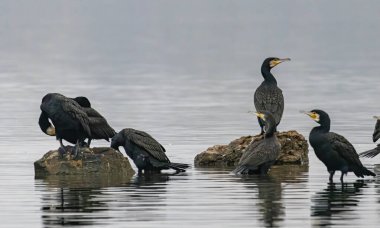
[(74, 120), (335, 151)]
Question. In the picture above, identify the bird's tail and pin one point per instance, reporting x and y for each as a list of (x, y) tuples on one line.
[(363, 171), (367, 172), (181, 167), (371, 153)]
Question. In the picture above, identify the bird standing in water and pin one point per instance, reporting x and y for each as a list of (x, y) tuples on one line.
[(335, 151), (147, 154), (261, 155), (268, 96)]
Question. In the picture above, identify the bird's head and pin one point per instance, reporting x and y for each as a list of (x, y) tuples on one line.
[(376, 132), (318, 116), (271, 62), (117, 140), (268, 119), (50, 131), (83, 101)]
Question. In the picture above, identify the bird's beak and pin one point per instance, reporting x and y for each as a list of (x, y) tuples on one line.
[(376, 117), (50, 131), (313, 116), (260, 115), (275, 62)]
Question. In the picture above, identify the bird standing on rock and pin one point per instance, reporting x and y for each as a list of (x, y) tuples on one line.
[(268, 96), (261, 155), (335, 151), (147, 154), (70, 121), (100, 129)]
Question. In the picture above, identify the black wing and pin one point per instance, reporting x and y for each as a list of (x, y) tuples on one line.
[(147, 143), (344, 148), (100, 129), (270, 98), (257, 153), (73, 109), (371, 153)]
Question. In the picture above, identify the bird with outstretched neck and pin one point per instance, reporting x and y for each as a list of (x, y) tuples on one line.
[(70, 121), (147, 154), (268, 96), (261, 155), (376, 135), (335, 151)]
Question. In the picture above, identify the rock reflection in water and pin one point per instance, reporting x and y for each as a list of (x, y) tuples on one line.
[(335, 199), (270, 191), (72, 206), (83, 200)]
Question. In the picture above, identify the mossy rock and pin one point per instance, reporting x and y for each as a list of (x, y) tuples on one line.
[(294, 150), (97, 160)]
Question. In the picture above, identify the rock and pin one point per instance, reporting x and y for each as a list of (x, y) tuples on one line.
[(101, 160), (294, 150)]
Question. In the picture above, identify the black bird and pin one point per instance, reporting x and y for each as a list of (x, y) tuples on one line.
[(70, 121), (335, 151), (376, 135), (261, 155), (145, 151), (268, 97), (100, 129)]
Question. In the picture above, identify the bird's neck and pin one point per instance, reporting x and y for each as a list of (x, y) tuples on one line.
[(44, 121), (268, 76), (324, 128), (270, 130)]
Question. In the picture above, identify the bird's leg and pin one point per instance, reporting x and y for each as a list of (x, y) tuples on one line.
[(331, 176), (76, 149), (341, 177), (61, 149), (89, 142)]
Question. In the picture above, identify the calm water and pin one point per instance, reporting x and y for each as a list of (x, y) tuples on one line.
[(185, 71)]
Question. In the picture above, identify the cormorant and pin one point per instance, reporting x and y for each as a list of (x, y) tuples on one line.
[(376, 135), (100, 129), (70, 121), (145, 151), (335, 151), (261, 155), (268, 97)]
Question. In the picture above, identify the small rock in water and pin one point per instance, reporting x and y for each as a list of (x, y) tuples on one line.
[(294, 150), (97, 160)]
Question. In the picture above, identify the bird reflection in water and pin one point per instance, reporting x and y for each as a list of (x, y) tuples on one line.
[(335, 199), (269, 191)]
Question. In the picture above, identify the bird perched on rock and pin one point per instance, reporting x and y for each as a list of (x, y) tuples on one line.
[(100, 129), (376, 135), (147, 154), (268, 96), (261, 155), (70, 121), (335, 151)]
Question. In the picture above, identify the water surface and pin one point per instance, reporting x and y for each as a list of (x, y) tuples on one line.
[(185, 72)]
